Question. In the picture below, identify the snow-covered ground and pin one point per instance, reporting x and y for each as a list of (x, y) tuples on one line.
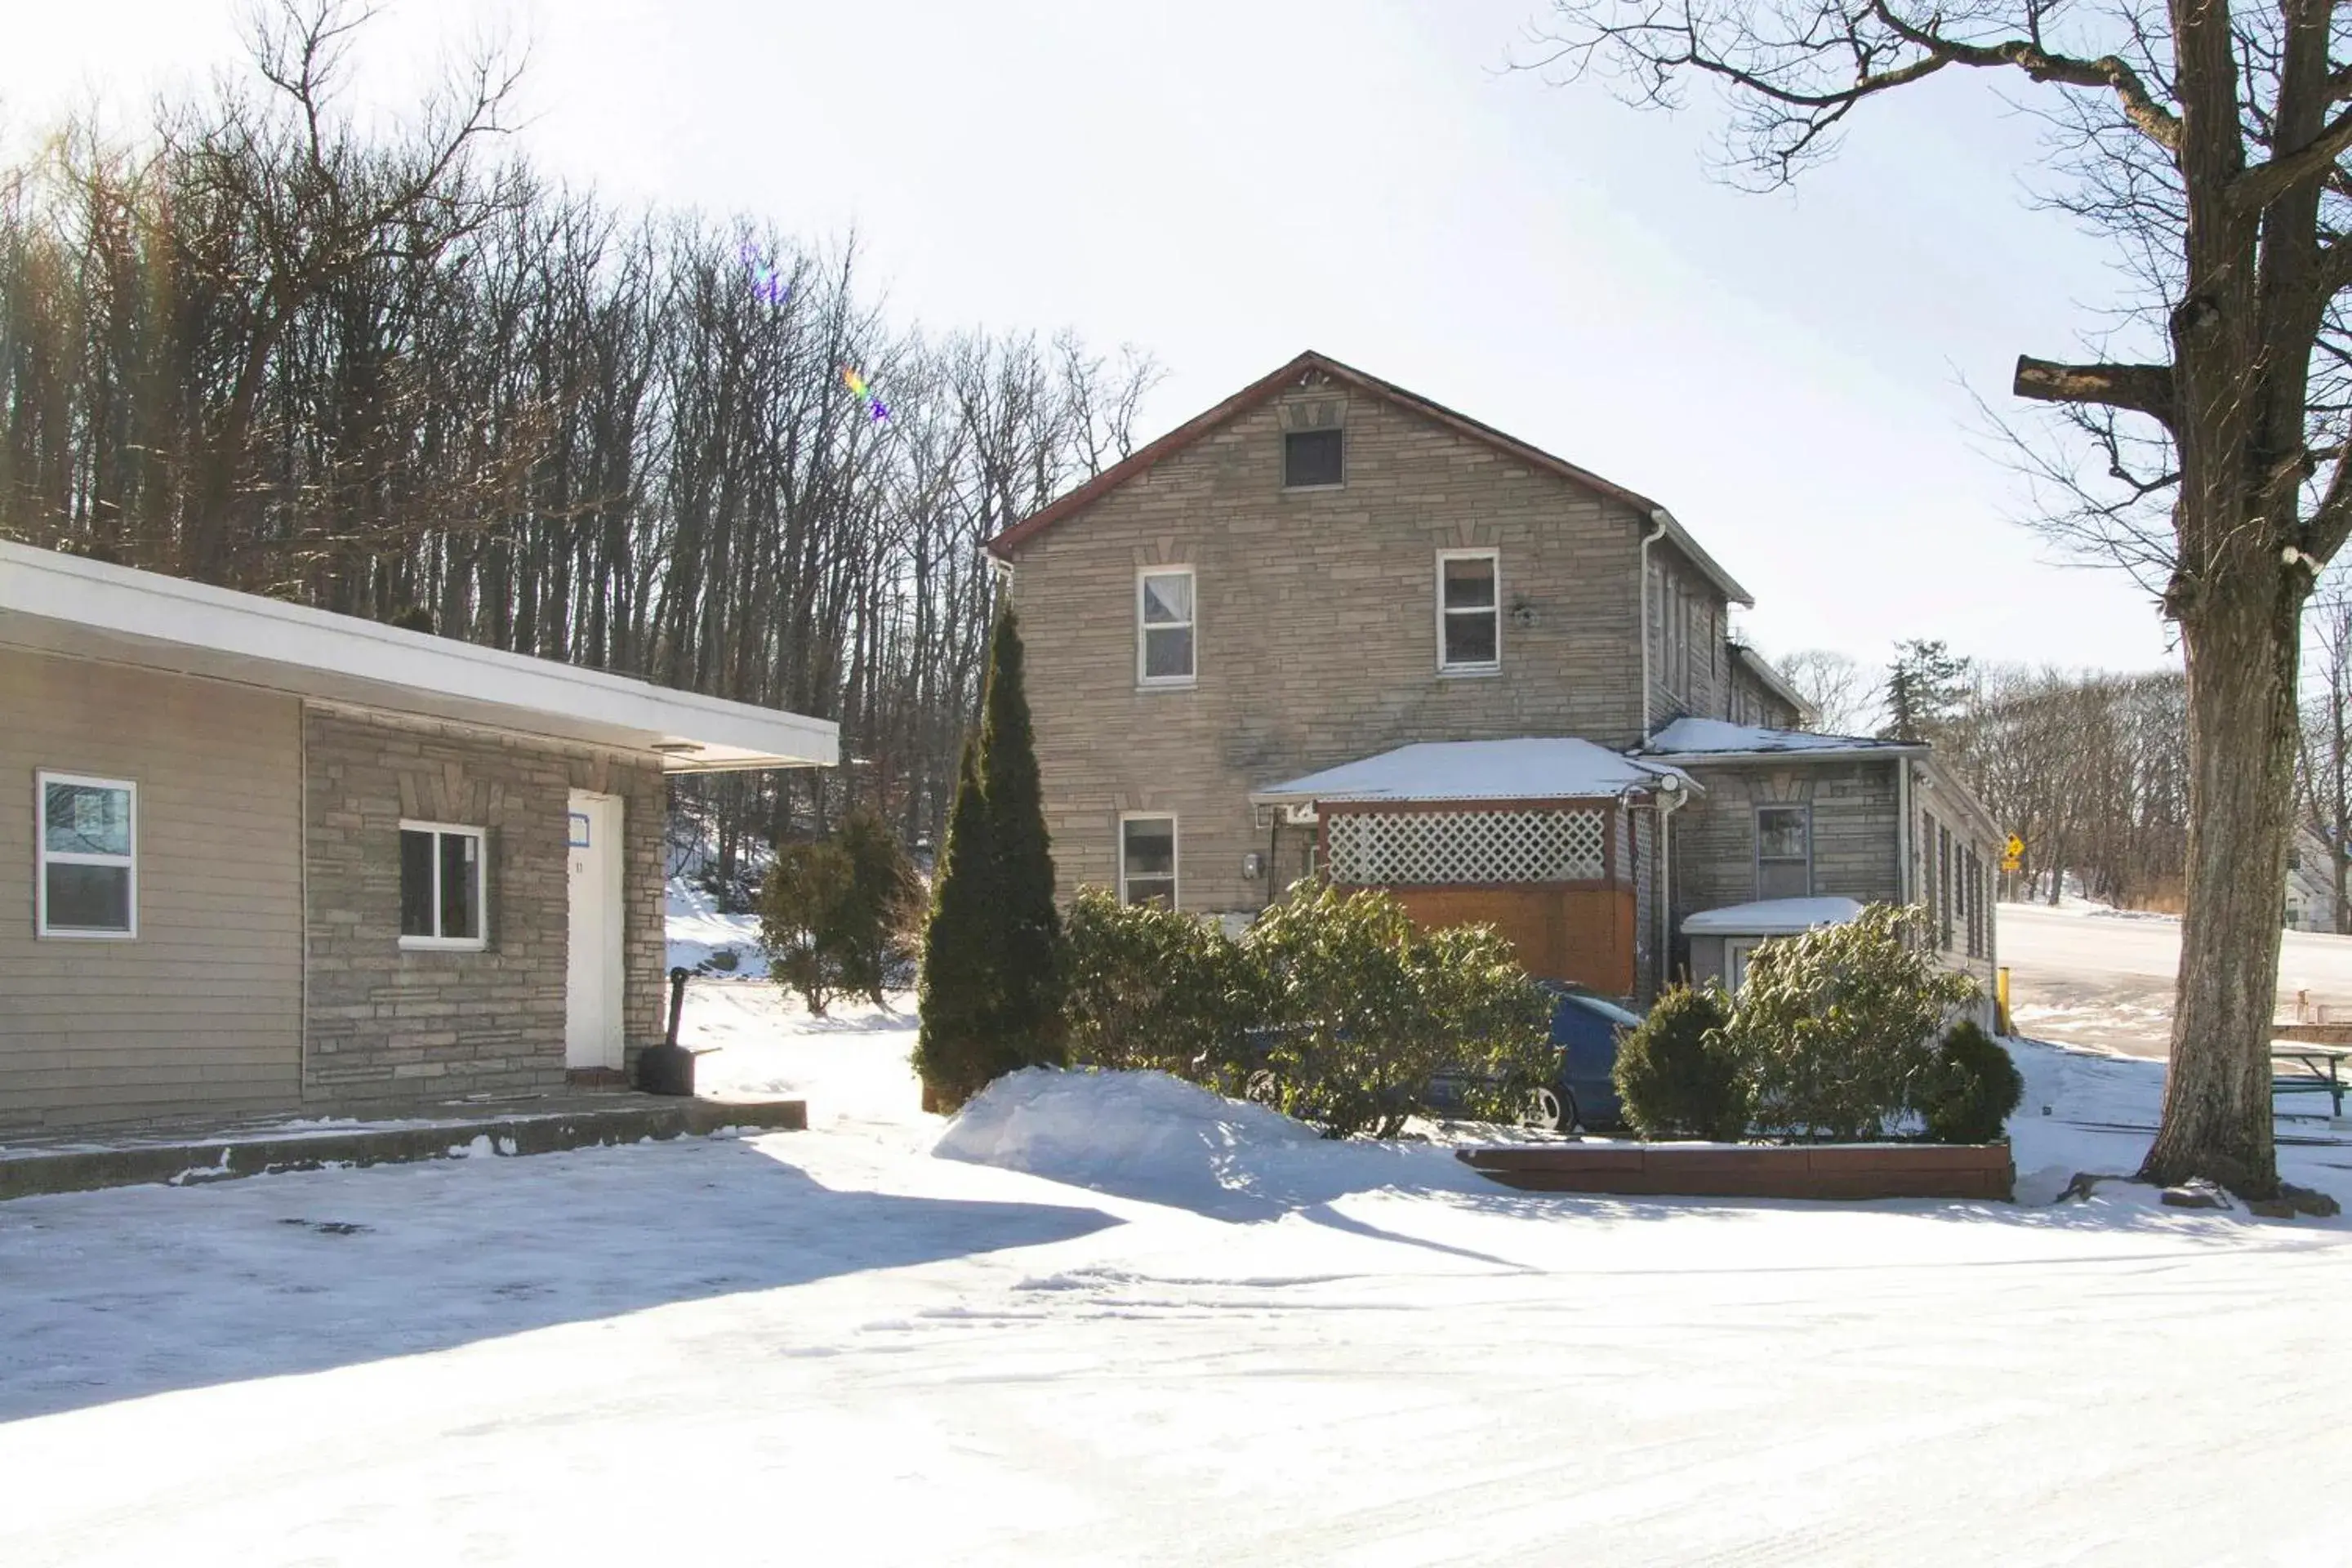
[(699, 934), (2084, 974), (1122, 1323)]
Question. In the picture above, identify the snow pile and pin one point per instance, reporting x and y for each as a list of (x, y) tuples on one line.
[(1699, 736), (1150, 1136), (1771, 917), (699, 934)]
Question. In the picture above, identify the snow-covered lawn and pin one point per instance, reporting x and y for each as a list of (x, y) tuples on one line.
[(1175, 1333), (698, 933)]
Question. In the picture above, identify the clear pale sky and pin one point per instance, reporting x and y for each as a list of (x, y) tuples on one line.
[(1228, 182)]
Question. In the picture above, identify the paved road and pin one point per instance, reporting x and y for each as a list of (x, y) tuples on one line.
[(2105, 979)]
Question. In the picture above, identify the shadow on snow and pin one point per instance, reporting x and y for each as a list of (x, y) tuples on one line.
[(136, 1291)]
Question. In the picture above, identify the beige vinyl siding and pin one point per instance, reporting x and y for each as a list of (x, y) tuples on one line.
[(202, 1012)]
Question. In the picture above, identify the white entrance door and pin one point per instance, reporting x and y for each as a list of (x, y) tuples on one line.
[(592, 991)]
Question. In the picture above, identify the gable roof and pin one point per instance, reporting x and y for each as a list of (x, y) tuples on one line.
[(1265, 388)]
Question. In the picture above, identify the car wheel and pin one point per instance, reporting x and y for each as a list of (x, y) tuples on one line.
[(1571, 1119), (1545, 1112)]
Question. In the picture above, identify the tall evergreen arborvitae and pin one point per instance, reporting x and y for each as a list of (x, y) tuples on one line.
[(1029, 936), (958, 982), (991, 989)]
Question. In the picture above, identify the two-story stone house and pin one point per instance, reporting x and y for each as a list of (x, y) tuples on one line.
[(1330, 624)]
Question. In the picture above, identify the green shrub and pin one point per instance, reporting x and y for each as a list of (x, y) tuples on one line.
[(1970, 1087), (1155, 988), (1835, 1029), (833, 915), (876, 920), (801, 918), (1677, 1075), (1494, 1024), (1363, 1011)]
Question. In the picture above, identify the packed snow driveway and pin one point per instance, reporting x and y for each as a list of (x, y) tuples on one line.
[(1128, 1322), (2084, 975)]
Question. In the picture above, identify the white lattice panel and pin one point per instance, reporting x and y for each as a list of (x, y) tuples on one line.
[(1432, 849)]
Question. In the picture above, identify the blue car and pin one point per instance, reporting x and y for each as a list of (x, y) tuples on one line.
[(1584, 1030)]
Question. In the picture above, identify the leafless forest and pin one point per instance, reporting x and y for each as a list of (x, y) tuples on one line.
[(2090, 770), (391, 371)]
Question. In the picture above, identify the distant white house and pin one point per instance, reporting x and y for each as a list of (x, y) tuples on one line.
[(2310, 883)]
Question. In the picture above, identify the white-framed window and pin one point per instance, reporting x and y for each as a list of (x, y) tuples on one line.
[(1469, 611), (86, 844), (444, 886), (1163, 626), (1784, 852), (1146, 859)]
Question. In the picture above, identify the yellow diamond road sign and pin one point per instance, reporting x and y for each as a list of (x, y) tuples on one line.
[(2013, 854)]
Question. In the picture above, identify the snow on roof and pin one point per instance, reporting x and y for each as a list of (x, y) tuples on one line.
[(1706, 737), (1772, 917), (1532, 768)]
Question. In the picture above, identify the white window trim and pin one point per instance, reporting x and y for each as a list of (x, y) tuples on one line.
[(1493, 666), (1175, 853), (481, 837), (43, 857), (1166, 682), (1339, 484)]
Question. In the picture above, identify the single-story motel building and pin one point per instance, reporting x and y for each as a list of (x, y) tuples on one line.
[(257, 858)]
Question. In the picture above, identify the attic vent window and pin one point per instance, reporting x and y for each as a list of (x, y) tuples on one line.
[(1310, 458)]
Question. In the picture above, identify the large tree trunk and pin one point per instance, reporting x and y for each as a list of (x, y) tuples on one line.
[(2242, 647)]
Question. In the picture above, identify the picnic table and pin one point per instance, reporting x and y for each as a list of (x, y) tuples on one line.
[(2322, 1070)]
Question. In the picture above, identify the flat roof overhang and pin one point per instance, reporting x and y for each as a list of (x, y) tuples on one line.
[(88, 609)]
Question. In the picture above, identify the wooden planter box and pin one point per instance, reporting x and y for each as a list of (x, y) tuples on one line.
[(1752, 1171)]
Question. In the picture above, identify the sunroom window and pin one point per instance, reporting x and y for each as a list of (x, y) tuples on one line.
[(87, 844), (442, 885), (1469, 611), (1163, 650)]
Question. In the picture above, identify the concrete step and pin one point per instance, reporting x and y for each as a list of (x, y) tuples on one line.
[(88, 1162)]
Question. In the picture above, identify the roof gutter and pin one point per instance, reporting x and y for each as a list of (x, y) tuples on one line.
[(1799, 754), (1641, 593)]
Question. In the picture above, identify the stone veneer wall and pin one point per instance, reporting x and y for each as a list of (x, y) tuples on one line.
[(384, 1025), (1314, 635)]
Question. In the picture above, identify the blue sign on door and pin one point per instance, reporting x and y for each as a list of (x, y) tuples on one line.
[(578, 838)]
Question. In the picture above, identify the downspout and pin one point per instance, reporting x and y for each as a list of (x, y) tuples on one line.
[(1902, 831), (1642, 589), (1670, 800)]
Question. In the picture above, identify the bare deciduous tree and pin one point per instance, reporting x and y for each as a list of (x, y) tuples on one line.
[(2207, 140), (1843, 695), (381, 373)]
